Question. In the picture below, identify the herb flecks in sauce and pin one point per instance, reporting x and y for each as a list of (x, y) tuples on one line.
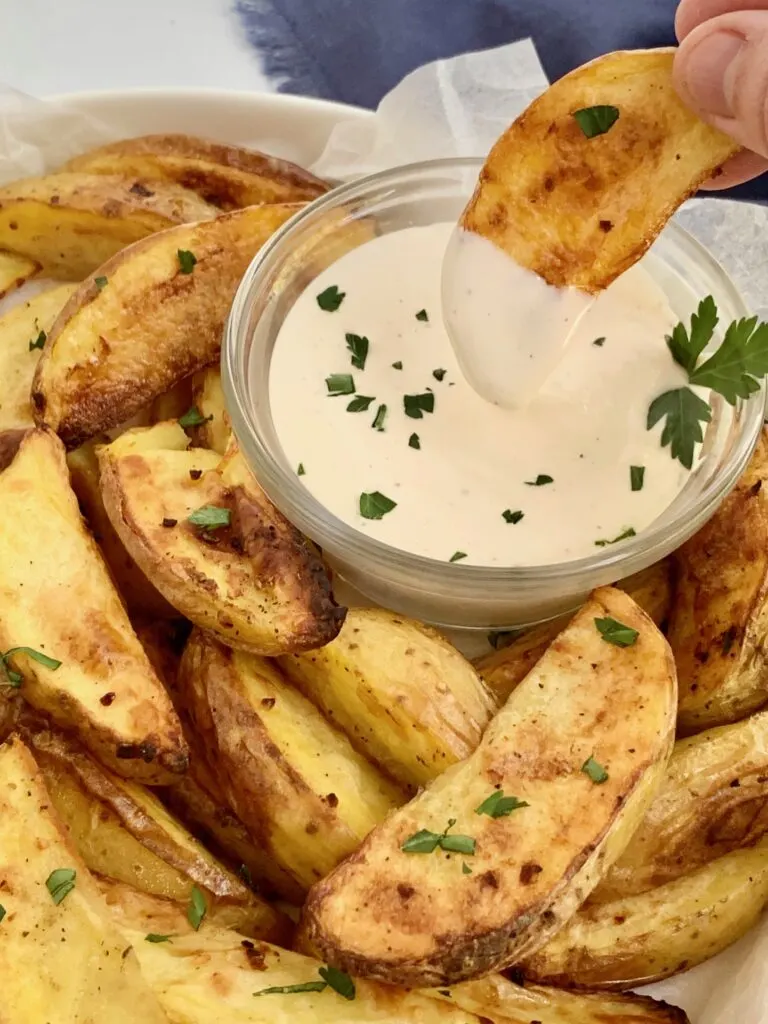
[(375, 505), (416, 405), (358, 347), (636, 477), (360, 403), (624, 535), (512, 517), (340, 384), (330, 299)]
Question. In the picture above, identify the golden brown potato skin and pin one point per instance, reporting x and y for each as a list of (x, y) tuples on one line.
[(580, 211), (114, 348), (719, 621), (228, 177), (72, 223), (713, 800), (419, 919), (105, 690)]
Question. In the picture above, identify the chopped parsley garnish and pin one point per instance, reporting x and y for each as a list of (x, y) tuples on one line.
[(414, 441), (60, 883), (154, 937), (615, 632), (596, 120), (210, 517), (599, 342), (290, 990), (457, 556), (624, 535), (358, 346), (636, 477), (193, 418), (499, 806), (540, 481), (425, 841), (331, 977), (100, 282), (595, 771), (39, 341), (15, 679), (439, 374), (512, 517), (466, 869), (2, 911), (416, 405), (360, 403), (197, 908), (375, 505), (330, 299), (398, 365), (300, 470), (381, 415), (340, 384), (423, 316), (187, 260)]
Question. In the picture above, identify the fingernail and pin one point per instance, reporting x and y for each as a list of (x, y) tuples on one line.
[(710, 72)]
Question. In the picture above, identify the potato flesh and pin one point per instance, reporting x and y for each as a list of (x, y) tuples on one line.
[(580, 211), (15, 270), (208, 396)]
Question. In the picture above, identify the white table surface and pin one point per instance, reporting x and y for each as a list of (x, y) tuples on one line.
[(57, 46)]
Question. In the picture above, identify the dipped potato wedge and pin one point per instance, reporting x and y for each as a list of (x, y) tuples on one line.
[(228, 177), (252, 580), (719, 620), (713, 800), (208, 397), (504, 668), (403, 695), (23, 331), (579, 203), (15, 271), (650, 936), (485, 865), (302, 791), (62, 960), (74, 653), (151, 316), (72, 223)]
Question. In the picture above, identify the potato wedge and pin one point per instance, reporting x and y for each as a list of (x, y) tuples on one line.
[(172, 404), (403, 695), (713, 800), (418, 918), (114, 348), (57, 597), (23, 331), (72, 223), (255, 583), (62, 961), (503, 669), (650, 936), (208, 398), (139, 595), (228, 177), (296, 783), (580, 210), (15, 271)]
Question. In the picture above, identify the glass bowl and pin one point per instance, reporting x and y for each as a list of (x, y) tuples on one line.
[(453, 595)]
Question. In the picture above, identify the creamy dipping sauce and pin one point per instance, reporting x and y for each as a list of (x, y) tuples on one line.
[(548, 482)]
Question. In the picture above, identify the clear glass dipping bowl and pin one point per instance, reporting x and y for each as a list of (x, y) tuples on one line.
[(452, 595)]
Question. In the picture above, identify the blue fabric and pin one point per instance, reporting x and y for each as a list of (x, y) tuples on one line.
[(355, 51)]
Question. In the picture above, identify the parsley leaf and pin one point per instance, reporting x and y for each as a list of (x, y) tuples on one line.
[(197, 908), (187, 260), (499, 806), (457, 556), (289, 990), (466, 869), (735, 369), (15, 679), (439, 374), (398, 365), (339, 981), (596, 120), (599, 342), (154, 937), (595, 771), (425, 841), (194, 418), (360, 403), (414, 442), (686, 349), (100, 282), (39, 341), (210, 517), (615, 632), (423, 316), (629, 532), (378, 420), (540, 481), (2, 911), (300, 471), (636, 477), (416, 405), (340, 384), (358, 346), (375, 505), (60, 883), (330, 299), (685, 412), (512, 517)]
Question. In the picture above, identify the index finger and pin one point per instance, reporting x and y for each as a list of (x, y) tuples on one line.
[(691, 13)]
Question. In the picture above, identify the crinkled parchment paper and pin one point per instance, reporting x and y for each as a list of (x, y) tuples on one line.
[(458, 108)]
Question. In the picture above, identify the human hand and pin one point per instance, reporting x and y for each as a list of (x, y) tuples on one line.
[(721, 72)]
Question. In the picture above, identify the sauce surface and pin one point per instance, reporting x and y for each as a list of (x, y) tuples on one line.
[(475, 482)]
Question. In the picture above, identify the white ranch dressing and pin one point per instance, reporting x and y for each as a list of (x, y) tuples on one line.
[(584, 428)]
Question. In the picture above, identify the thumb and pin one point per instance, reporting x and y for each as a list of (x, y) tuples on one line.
[(721, 72)]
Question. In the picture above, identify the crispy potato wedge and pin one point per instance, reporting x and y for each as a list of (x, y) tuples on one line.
[(61, 962), (72, 223), (418, 918), (173, 403), (208, 398), (650, 936), (22, 333), (719, 621), (228, 177), (713, 800), (503, 669), (15, 271), (57, 597), (579, 211), (139, 595), (305, 795), (256, 583), (403, 695), (113, 349)]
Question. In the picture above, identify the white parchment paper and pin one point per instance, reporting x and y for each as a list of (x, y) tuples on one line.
[(458, 108)]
